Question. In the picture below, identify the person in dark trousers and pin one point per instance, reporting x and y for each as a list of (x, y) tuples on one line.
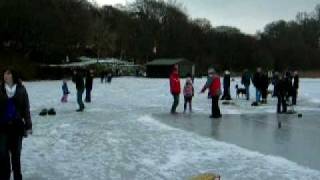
[(175, 88), (295, 87), (15, 123), (246, 81), (264, 87), (281, 88), (78, 80), (214, 85), (288, 79), (188, 92), (102, 77), (256, 80), (65, 91), (275, 80), (109, 77), (89, 84), (226, 86)]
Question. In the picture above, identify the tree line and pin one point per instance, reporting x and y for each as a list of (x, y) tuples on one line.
[(46, 31)]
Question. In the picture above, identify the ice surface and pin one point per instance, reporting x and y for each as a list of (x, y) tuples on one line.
[(117, 137)]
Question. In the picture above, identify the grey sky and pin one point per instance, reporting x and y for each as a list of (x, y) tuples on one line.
[(247, 15)]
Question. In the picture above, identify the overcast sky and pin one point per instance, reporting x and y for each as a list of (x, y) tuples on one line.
[(247, 15)]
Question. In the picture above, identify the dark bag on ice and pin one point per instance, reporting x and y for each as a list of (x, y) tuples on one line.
[(254, 104), (51, 112), (43, 112)]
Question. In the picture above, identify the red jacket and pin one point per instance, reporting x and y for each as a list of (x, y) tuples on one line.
[(215, 87), (175, 83)]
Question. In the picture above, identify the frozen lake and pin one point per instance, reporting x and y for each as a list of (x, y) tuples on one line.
[(127, 133)]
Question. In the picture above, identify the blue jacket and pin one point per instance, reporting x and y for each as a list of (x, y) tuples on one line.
[(65, 89)]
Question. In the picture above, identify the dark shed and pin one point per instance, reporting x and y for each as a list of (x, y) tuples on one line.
[(161, 68)]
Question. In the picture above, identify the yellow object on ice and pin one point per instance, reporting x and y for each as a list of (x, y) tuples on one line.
[(207, 176)]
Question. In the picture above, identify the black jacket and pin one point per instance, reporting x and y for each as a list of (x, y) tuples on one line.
[(78, 80), (226, 81), (264, 82), (21, 102), (296, 82), (89, 81), (282, 88), (246, 78), (257, 80)]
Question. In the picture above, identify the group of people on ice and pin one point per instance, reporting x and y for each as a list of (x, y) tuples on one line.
[(213, 84), (84, 83), (285, 85)]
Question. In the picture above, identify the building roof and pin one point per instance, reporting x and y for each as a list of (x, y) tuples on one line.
[(161, 62), (85, 61)]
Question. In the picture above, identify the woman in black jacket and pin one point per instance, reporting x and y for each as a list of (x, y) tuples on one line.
[(15, 123)]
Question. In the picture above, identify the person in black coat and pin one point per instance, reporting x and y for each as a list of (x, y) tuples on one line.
[(295, 87), (282, 90), (226, 86), (275, 80), (264, 87), (89, 84), (15, 123), (78, 80), (288, 79), (256, 80), (246, 81)]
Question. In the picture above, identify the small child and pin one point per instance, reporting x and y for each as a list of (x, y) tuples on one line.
[(188, 92), (65, 92)]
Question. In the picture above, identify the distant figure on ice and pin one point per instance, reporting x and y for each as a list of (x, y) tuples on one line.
[(188, 93), (281, 89), (65, 91), (78, 80), (275, 80), (214, 85), (264, 87), (15, 123), (288, 79), (245, 80), (175, 88), (109, 77), (226, 86), (102, 77), (256, 80), (89, 84), (295, 87)]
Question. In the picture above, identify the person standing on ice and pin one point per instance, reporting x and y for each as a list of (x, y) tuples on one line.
[(214, 85), (281, 89), (226, 86), (295, 87), (65, 91), (275, 80), (109, 77), (188, 92), (245, 80), (175, 88), (256, 80), (15, 123), (89, 84), (264, 87), (78, 80)]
